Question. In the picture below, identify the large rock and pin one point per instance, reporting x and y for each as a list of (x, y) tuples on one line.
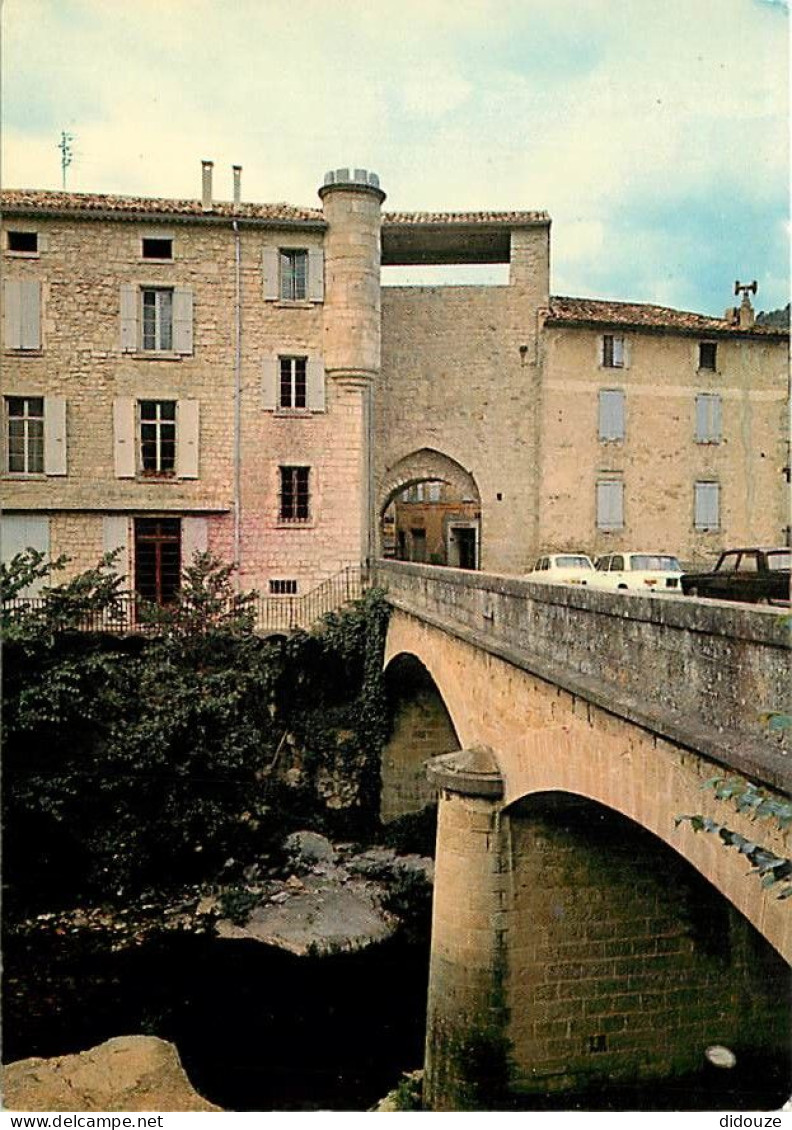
[(309, 848), (125, 1073), (317, 917)]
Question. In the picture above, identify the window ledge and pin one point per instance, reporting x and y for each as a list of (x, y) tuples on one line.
[(612, 439), (154, 260), (154, 355), (295, 413), (296, 524), (711, 372), (27, 476), (294, 303), (709, 442), (24, 352), (22, 254)]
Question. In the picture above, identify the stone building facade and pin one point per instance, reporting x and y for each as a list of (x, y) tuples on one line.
[(193, 374)]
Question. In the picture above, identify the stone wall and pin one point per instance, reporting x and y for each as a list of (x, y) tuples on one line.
[(659, 460), (456, 379), (623, 963), (698, 672)]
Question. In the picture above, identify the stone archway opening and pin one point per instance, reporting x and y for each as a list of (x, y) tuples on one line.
[(430, 512), (626, 965), (422, 729)]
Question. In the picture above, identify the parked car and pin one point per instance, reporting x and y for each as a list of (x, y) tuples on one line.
[(755, 575), (562, 569), (637, 572)]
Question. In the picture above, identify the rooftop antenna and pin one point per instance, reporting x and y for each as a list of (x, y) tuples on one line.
[(66, 153)]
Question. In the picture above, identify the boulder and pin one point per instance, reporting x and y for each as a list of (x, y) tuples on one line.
[(309, 848), (126, 1073)]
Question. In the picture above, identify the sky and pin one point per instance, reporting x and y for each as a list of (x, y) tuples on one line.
[(654, 132)]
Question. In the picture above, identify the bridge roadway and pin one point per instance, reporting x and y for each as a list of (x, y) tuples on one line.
[(628, 704)]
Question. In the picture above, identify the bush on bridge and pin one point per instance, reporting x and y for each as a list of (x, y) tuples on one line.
[(135, 765)]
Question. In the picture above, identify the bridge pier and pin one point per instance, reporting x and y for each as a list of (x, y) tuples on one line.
[(466, 1063)]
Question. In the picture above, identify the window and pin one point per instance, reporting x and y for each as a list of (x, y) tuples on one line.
[(157, 558), (293, 275), (157, 319), (294, 494), (708, 355), (283, 587), (145, 439), (611, 414), (25, 435), (293, 382), (418, 539), (22, 314), (706, 506), (23, 241), (613, 351), (708, 418), (610, 504), (157, 248), (158, 437)]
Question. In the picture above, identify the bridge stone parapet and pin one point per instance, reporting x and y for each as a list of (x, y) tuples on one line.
[(702, 674)]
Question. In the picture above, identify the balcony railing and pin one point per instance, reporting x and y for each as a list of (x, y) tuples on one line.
[(129, 614)]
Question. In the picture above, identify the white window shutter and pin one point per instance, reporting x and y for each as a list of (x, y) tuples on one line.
[(611, 414), (12, 314), (19, 532), (707, 506), (54, 435), (31, 314), (610, 505), (702, 430), (115, 538), (182, 320), (129, 318), (124, 437), (270, 377), (188, 428), (194, 539), (270, 264), (316, 274), (717, 419), (315, 384)]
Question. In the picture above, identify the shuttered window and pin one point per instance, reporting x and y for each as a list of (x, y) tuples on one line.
[(22, 314), (708, 418), (293, 275), (610, 504), (293, 391), (25, 435), (156, 319), (613, 351), (156, 437), (611, 414), (706, 506), (20, 532), (293, 382)]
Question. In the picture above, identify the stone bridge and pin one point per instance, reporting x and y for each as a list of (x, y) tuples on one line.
[(580, 935)]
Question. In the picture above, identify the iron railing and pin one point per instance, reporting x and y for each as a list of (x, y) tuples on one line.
[(273, 614)]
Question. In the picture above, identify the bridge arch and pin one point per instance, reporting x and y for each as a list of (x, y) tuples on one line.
[(546, 739), (422, 729)]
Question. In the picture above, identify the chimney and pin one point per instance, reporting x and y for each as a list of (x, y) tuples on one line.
[(237, 170), (746, 313), (206, 185)]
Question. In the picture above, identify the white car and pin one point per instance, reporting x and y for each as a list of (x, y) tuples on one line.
[(638, 572), (562, 569)]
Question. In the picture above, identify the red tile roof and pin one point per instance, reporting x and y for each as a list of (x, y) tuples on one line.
[(643, 315), (24, 200), (504, 219), (90, 203)]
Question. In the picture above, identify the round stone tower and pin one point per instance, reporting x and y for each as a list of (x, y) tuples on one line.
[(352, 199)]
